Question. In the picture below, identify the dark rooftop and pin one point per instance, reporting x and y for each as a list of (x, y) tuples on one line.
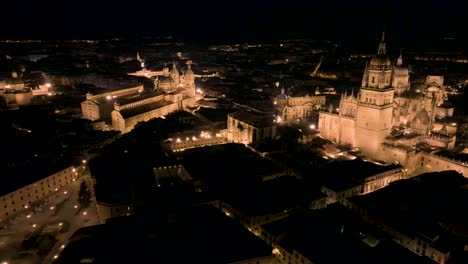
[(199, 234), (275, 196), (335, 235), (14, 178), (431, 206), (344, 174), (227, 167), (255, 120)]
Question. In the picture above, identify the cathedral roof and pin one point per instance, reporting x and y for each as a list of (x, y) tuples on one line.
[(165, 80), (380, 61)]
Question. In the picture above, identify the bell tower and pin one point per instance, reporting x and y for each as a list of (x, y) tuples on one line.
[(375, 103)]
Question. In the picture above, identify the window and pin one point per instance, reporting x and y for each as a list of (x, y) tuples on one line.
[(373, 79)]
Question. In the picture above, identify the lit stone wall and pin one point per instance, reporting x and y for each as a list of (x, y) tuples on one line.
[(22, 198)]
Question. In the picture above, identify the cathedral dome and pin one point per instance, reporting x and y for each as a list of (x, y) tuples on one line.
[(380, 62), (165, 80)]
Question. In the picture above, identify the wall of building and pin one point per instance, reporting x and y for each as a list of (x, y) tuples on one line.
[(90, 110), (106, 211), (248, 133), (182, 143), (429, 162), (340, 129), (368, 185), (17, 201)]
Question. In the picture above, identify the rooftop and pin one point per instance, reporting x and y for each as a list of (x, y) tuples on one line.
[(275, 196), (255, 120), (14, 178), (335, 235), (430, 206), (342, 175), (136, 97), (199, 234), (131, 112)]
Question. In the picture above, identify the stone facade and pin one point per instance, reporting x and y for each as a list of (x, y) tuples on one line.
[(20, 199), (245, 127), (296, 108), (387, 119)]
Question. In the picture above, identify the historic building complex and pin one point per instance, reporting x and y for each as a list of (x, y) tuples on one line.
[(293, 109), (387, 119), (124, 108)]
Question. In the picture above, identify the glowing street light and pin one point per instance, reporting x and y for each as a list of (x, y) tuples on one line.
[(312, 126)]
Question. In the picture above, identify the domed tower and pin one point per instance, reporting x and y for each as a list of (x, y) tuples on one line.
[(189, 80), (375, 102), (400, 78), (165, 82), (175, 74)]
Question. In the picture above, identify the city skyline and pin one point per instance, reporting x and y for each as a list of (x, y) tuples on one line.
[(212, 21)]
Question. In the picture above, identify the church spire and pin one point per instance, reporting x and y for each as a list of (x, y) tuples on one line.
[(382, 49)]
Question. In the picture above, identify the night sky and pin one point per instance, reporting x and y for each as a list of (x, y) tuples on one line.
[(212, 20)]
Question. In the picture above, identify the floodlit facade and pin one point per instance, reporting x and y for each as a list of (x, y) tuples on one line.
[(99, 106), (174, 93), (386, 119), (293, 109), (244, 127), (20, 199)]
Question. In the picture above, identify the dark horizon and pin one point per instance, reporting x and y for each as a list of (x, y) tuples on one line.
[(209, 21)]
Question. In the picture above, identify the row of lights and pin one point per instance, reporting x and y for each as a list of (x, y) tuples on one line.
[(204, 135)]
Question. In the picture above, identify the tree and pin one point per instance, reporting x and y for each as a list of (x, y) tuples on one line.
[(84, 195)]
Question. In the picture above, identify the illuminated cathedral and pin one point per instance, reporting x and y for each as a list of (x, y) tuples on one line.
[(387, 119)]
